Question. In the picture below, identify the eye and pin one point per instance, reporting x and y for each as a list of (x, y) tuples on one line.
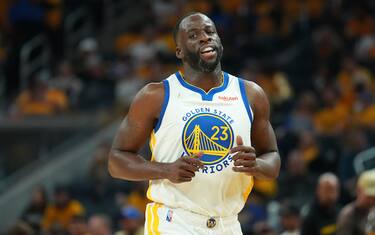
[(192, 35)]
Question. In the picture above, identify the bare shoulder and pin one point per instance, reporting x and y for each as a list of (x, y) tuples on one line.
[(154, 90), (148, 100), (256, 96)]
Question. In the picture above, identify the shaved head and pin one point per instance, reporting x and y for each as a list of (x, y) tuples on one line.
[(328, 189), (181, 24), (328, 178)]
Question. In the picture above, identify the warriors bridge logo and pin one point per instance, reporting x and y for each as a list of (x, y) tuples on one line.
[(211, 134)]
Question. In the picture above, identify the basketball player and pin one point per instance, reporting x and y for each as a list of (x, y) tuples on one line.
[(210, 137)]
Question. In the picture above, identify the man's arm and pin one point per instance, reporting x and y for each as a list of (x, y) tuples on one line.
[(262, 159), (344, 223), (125, 163)]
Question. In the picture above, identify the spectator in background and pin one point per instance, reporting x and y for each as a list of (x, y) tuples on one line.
[(295, 183), (148, 48), (89, 64), (301, 118), (34, 212), (290, 219), (309, 148), (67, 81), (352, 218), (78, 226), (276, 85), (131, 222), (350, 76), (62, 211), (128, 86), (322, 214), (39, 99), (354, 141), (326, 119), (100, 225), (262, 228), (364, 107), (255, 211)]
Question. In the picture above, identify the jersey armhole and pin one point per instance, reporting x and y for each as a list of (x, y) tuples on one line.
[(164, 106), (246, 100)]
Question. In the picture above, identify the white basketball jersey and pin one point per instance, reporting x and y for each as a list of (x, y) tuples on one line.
[(193, 121)]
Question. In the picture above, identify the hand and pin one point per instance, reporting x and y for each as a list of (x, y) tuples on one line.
[(184, 168), (245, 158)]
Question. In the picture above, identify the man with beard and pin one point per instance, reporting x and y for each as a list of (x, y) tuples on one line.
[(210, 137), (323, 212)]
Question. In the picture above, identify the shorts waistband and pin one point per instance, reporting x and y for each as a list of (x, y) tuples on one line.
[(199, 219)]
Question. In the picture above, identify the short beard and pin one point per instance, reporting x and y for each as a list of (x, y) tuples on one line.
[(196, 62)]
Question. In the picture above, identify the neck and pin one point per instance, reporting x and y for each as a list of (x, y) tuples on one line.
[(205, 81)]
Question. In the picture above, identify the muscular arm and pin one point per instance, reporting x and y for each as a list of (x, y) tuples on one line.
[(125, 163), (262, 135), (262, 159)]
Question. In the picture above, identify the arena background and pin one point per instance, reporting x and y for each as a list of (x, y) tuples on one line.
[(69, 70)]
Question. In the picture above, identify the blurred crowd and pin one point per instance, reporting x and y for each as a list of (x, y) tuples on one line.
[(315, 59)]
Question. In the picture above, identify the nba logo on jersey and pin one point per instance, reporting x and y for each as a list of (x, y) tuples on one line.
[(169, 216)]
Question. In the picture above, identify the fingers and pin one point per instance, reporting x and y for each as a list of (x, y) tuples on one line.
[(242, 148), (244, 163), (189, 167), (245, 156), (239, 141), (184, 179), (193, 161), (244, 169), (186, 174)]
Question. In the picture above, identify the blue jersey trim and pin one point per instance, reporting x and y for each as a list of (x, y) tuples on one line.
[(165, 104), (208, 96), (245, 99)]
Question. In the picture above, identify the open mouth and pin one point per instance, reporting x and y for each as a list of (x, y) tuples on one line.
[(208, 53)]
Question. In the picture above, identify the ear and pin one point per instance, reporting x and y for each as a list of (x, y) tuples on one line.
[(179, 53)]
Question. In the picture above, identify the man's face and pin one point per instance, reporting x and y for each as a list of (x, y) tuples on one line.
[(328, 193), (198, 43)]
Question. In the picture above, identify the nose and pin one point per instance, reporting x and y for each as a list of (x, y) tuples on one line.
[(205, 38)]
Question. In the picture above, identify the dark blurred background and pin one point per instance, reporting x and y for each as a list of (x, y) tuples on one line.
[(69, 69)]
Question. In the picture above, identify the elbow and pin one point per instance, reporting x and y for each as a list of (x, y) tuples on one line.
[(273, 170), (276, 172), (111, 165)]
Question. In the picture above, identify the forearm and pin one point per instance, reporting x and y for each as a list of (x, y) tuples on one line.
[(130, 166), (268, 166)]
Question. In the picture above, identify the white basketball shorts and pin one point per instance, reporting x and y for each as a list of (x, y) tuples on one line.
[(162, 220)]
